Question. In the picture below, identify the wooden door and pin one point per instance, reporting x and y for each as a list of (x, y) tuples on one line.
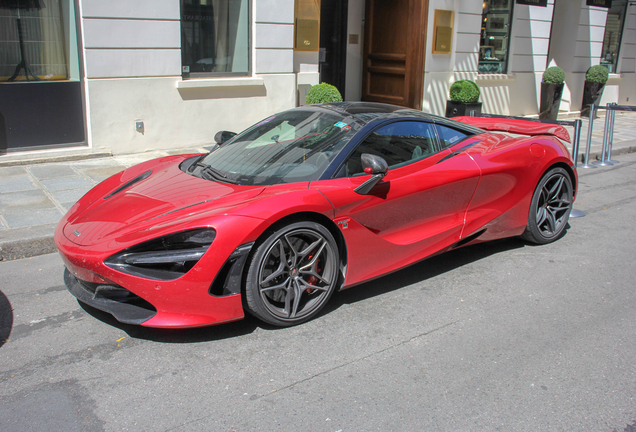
[(395, 40)]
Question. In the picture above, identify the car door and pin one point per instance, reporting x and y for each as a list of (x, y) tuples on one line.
[(416, 210)]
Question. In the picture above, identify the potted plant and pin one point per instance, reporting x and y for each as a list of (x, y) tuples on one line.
[(322, 93), (551, 92), (595, 79), (464, 95)]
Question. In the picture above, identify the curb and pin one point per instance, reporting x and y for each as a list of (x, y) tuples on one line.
[(50, 159), (26, 248), (598, 155), (27, 242)]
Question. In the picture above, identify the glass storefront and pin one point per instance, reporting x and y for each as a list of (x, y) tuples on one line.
[(38, 41), (41, 101)]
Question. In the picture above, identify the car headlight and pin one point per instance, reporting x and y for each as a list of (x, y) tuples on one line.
[(164, 258)]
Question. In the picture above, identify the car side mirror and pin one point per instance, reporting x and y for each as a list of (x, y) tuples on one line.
[(223, 136), (374, 165)]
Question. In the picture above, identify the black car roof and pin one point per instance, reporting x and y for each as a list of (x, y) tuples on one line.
[(367, 112)]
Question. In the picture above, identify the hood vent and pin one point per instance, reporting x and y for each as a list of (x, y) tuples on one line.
[(129, 184)]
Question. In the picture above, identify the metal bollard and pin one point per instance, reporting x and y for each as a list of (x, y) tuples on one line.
[(578, 125), (611, 138), (608, 116), (589, 138)]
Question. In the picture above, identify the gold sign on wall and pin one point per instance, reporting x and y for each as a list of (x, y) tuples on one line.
[(443, 32), (307, 25), (443, 39), (307, 35)]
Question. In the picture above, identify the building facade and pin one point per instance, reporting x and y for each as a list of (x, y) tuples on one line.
[(87, 76)]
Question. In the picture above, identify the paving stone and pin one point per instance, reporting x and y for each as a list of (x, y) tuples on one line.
[(67, 206), (15, 184), (12, 171), (38, 217), (69, 196), (50, 171), (102, 173), (67, 183), (19, 202)]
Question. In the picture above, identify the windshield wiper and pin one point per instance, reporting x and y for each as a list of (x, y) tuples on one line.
[(197, 163), (214, 174)]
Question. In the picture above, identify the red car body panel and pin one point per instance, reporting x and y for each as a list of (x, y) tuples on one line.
[(417, 210), (483, 184)]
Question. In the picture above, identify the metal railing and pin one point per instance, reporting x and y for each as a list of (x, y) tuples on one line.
[(608, 134)]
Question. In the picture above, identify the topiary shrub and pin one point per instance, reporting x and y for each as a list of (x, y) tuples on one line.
[(322, 93), (554, 75), (464, 91), (597, 74)]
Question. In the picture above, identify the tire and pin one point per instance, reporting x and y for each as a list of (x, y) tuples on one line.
[(289, 291), (550, 208)]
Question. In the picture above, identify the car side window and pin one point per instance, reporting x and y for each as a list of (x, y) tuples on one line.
[(449, 136), (399, 143)]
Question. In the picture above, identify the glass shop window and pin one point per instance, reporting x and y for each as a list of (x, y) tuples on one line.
[(495, 36), (38, 41), (215, 37), (613, 32)]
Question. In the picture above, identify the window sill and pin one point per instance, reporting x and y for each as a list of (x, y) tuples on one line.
[(220, 82), (494, 76), (614, 76)]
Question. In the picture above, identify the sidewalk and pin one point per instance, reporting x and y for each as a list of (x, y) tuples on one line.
[(33, 198)]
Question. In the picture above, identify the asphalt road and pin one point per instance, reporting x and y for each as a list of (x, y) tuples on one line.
[(502, 336)]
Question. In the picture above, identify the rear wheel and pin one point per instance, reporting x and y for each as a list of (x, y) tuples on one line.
[(550, 207), (292, 274)]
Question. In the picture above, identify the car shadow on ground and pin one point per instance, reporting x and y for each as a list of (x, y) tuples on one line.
[(423, 270), (419, 272)]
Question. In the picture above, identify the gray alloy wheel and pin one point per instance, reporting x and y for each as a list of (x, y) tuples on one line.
[(292, 274), (550, 207)]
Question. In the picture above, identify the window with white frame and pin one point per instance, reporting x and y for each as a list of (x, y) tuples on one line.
[(495, 36), (613, 32), (215, 37)]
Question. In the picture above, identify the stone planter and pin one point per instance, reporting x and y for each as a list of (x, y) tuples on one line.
[(550, 100), (455, 109), (592, 92)]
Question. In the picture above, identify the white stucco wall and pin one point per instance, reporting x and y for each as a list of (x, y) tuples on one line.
[(132, 62), (441, 70), (576, 45), (514, 92), (132, 66), (355, 52), (178, 117)]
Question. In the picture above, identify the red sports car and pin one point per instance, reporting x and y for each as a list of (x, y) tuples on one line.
[(308, 201)]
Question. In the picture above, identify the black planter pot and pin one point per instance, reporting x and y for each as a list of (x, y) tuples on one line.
[(455, 109), (550, 100), (592, 92)]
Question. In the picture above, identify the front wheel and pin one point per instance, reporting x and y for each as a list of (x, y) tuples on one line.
[(292, 274), (550, 207)]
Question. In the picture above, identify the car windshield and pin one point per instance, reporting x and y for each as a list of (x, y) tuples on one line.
[(295, 145)]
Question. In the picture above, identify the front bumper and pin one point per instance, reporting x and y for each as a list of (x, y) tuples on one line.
[(188, 301), (125, 306)]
